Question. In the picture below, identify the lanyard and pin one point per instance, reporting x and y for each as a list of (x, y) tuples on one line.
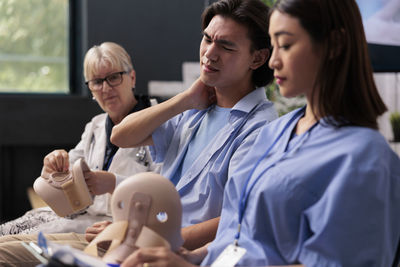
[(245, 193)]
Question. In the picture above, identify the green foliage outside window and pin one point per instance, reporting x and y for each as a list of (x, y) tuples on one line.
[(395, 122), (269, 2), (34, 46)]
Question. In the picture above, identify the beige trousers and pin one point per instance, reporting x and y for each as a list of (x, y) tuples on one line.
[(12, 253)]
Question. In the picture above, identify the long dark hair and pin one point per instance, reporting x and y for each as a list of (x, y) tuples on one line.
[(253, 14), (347, 92)]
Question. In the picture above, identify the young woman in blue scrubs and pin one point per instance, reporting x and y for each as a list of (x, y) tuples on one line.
[(321, 187)]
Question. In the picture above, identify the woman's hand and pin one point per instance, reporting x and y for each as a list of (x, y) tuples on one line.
[(56, 161), (194, 256), (95, 229), (200, 96), (100, 182), (155, 256)]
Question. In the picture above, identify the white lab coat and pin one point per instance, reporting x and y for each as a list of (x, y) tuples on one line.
[(92, 148), (124, 164)]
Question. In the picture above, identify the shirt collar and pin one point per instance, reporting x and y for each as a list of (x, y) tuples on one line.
[(247, 103)]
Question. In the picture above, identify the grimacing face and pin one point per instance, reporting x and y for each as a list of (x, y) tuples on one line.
[(295, 58), (226, 59)]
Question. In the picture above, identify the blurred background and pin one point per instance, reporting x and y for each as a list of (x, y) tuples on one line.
[(44, 103)]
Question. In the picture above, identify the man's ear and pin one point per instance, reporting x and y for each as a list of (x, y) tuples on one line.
[(259, 58)]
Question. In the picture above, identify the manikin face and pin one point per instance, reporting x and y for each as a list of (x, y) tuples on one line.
[(295, 58), (118, 100), (225, 58)]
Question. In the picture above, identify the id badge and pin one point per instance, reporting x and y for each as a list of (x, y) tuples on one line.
[(229, 257)]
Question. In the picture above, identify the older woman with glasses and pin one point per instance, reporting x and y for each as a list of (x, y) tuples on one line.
[(111, 78)]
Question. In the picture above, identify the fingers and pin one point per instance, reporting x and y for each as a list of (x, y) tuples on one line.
[(141, 257), (98, 225), (101, 224), (90, 179), (89, 237), (154, 257), (91, 230), (200, 95), (95, 229), (56, 161), (100, 182), (212, 97)]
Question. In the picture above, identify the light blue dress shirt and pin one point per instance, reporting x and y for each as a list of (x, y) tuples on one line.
[(201, 187), (332, 200), (214, 120)]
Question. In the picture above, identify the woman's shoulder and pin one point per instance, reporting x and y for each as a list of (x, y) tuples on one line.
[(363, 143), (356, 135)]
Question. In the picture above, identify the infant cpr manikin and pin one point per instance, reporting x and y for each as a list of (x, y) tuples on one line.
[(65, 192), (146, 212)]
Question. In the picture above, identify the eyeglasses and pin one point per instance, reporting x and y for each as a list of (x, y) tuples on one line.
[(114, 79)]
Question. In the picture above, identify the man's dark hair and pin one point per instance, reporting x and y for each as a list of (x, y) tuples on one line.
[(253, 14)]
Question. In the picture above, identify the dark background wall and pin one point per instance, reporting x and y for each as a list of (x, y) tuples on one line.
[(158, 34)]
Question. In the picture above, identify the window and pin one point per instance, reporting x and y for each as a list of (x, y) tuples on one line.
[(34, 46)]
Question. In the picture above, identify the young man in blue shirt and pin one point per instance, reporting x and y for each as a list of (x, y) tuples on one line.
[(202, 134)]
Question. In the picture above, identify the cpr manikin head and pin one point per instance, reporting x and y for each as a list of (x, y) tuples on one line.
[(147, 212), (65, 192)]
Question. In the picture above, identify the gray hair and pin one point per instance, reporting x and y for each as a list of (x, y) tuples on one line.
[(109, 54)]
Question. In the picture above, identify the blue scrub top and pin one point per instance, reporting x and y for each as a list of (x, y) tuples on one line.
[(333, 200), (201, 187)]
